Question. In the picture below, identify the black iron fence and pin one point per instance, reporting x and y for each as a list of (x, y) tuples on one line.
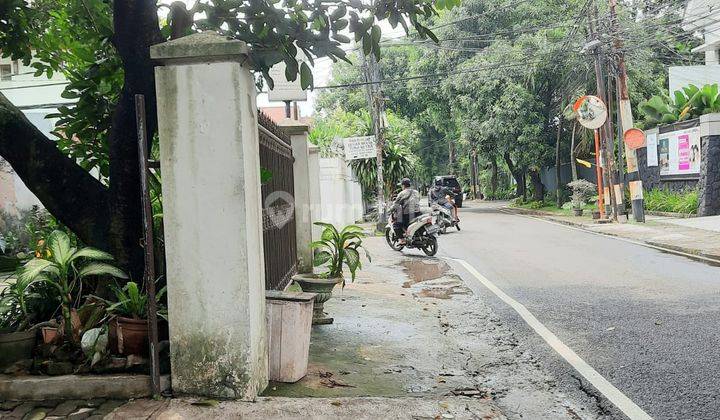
[(278, 191)]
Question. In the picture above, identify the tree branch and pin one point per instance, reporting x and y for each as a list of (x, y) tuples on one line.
[(69, 192)]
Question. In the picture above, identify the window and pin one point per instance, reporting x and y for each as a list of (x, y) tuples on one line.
[(5, 71)]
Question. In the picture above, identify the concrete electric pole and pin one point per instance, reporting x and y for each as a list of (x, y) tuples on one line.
[(612, 200), (626, 120), (376, 105)]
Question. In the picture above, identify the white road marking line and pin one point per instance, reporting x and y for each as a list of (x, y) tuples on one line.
[(620, 238), (622, 402)]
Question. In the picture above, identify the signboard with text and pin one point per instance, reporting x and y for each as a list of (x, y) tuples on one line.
[(359, 147), (679, 152), (284, 90)]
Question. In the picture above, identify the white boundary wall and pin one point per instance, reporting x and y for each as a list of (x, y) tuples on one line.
[(340, 193)]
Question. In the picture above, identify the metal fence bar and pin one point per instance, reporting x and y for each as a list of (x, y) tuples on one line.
[(278, 205)]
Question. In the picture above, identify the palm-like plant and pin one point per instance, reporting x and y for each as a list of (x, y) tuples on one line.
[(339, 248), (397, 164), (64, 267)]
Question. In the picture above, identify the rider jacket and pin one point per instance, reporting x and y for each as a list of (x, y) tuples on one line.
[(439, 194), (409, 200)]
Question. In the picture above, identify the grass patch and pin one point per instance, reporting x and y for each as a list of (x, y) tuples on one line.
[(685, 202)]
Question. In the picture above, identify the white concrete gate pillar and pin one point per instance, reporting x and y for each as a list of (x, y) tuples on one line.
[(298, 133), (207, 119), (315, 198)]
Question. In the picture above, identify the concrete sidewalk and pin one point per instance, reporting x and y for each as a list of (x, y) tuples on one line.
[(410, 340), (698, 236)]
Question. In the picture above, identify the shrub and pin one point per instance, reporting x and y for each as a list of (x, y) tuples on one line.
[(685, 202), (583, 191)]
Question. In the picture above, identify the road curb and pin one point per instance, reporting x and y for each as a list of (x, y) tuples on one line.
[(77, 387), (674, 249)]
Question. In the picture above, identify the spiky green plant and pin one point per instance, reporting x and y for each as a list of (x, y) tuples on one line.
[(132, 302), (397, 164), (339, 248), (64, 267)]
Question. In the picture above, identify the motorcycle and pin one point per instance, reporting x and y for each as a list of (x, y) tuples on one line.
[(421, 234), (444, 218)]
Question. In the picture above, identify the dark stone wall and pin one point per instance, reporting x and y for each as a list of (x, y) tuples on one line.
[(710, 176), (651, 180)]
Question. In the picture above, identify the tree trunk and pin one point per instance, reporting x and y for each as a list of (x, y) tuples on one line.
[(519, 176), (451, 157), (573, 163), (473, 174), (109, 219), (136, 29), (66, 190), (538, 187), (558, 181), (494, 177)]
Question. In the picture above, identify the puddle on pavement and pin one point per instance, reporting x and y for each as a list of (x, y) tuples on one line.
[(419, 270)]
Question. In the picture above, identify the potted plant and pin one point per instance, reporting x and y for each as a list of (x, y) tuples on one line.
[(17, 339), (335, 250), (582, 190), (65, 267), (129, 328)]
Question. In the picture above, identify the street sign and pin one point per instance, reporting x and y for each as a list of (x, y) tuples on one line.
[(592, 112), (284, 90), (634, 138), (359, 147)]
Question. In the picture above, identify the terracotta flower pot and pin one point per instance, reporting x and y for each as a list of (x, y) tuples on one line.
[(16, 346), (323, 288), (50, 334), (129, 336)]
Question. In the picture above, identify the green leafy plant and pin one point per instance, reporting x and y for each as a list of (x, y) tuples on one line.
[(397, 164), (339, 248), (685, 202), (65, 267), (15, 312), (690, 102), (132, 302)]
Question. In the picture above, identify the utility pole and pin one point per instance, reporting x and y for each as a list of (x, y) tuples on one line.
[(376, 104), (612, 200), (626, 119)]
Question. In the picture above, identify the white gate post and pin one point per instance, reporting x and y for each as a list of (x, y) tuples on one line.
[(298, 133), (315, 199), (207, 119)]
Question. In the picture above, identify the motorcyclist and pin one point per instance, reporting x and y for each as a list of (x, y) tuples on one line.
[(439, 194), (407, 207)]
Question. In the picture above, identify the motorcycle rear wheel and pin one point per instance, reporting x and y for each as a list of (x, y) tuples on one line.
[(392, 240), (431, 248)]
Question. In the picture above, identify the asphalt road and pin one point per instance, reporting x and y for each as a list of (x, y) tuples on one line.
[(647, 321)]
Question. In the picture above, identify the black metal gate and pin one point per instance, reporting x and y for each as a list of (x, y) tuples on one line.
[(276, 161)]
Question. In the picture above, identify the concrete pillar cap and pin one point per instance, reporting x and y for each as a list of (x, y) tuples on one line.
[(294, 126), (200, 47)]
